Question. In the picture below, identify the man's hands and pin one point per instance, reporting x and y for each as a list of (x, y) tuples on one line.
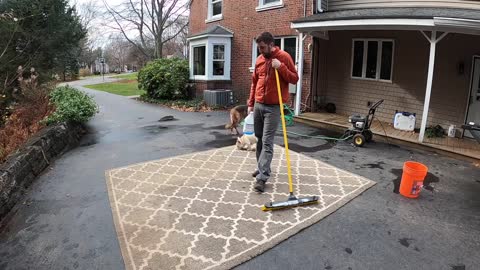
[(276, 63), (250, 109)]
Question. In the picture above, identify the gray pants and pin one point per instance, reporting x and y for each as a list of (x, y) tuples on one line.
[(266, 121)]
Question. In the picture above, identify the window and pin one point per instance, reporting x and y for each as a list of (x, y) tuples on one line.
[(215, 10), (269, 4), (199, 60), (372, 59), (218, 60), (288, 44), (210, 58)]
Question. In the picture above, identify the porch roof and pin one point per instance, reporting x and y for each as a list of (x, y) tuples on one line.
[(443, 19)]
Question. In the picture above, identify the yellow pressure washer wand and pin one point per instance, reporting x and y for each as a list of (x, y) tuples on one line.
[(292, 200)]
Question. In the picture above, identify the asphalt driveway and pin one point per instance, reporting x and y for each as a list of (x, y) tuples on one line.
[(65, 221)]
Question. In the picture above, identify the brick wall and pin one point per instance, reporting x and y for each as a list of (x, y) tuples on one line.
[(450, 89), (246, 23)]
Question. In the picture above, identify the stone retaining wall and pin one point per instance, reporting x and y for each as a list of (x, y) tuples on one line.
[(24, 165)]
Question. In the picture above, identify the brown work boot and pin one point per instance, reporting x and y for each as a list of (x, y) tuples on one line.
[(255, 173), (259, 186)]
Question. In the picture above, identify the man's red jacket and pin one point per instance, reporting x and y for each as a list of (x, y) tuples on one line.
[(264, 85)]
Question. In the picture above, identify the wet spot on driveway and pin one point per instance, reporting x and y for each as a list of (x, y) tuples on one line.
[(396, 181), (374, 165), (221, 127), (429, 179), (309, 149), (155, 129), (221, 140)]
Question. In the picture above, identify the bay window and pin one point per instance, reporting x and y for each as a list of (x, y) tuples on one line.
[(210, 58)]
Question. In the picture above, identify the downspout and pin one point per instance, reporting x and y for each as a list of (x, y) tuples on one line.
[(304, 8), (298, 96)]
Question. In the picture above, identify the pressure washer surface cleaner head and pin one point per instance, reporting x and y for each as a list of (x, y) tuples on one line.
[(291, 202)]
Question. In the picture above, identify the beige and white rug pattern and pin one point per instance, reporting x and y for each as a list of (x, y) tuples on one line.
[(199, 211)]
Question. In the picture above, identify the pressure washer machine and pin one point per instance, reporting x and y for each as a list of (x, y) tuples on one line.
[(360, 130)]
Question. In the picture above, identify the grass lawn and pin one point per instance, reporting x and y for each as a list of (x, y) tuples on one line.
[(93, 76), (123, 87), (127, 76)]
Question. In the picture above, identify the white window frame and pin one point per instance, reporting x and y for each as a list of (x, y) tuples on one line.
[(219, 60), (210, 17), (262, 6), (379, 59), (209, 42), (282, 45), (198, 77)]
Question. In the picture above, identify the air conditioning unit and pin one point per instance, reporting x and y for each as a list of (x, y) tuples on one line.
[(322, 6), (220, 97)]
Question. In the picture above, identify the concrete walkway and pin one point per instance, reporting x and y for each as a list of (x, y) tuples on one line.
[(66, 222)]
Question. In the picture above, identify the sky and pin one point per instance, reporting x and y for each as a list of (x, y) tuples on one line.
[(112, 2), (100, 34)]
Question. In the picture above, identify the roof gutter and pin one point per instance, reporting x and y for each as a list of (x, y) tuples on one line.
[(457, 23), (362, 23), (441, 23)]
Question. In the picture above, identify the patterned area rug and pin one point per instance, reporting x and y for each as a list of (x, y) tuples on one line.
[(199, 211)]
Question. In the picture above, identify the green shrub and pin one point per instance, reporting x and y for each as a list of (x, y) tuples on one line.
[(71, 105), (434, 132), (165, 79)]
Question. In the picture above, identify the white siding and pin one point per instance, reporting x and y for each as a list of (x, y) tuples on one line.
[(357, 4)]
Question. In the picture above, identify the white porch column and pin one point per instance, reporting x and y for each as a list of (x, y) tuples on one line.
[(431, 68), (298, 95)]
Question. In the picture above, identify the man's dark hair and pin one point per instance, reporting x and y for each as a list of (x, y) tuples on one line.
[(265, 37)]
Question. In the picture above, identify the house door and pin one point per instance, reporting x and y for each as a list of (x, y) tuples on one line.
[(474, 105)]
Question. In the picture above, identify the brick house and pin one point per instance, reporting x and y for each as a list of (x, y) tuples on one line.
[(222, 46), (419, 56)]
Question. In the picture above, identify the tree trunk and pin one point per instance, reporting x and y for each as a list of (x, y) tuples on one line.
[(158, 49)]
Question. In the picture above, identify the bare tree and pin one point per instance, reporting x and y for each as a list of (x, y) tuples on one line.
[(90, 18), (117, 53), (143, 22), (177, 45)]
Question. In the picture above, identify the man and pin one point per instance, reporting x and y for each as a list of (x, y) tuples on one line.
[(264, 103)]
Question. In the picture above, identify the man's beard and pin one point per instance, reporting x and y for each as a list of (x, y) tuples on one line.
[(267, 55)]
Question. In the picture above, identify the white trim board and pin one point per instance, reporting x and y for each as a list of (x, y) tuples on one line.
[(443, 24), (364, 22), (209, 35)]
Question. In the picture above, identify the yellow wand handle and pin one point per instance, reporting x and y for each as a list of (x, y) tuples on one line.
[(285, 140)]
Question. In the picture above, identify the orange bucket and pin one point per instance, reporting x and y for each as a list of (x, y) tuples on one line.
[(412, 178)]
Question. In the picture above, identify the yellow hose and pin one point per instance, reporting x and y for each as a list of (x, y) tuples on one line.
[(284, 126)]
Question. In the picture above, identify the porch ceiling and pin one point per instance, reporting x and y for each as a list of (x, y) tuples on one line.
[(439, 19)]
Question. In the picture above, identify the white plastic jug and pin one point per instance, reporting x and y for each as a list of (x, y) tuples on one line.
[(452, 130), (248, 125)]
